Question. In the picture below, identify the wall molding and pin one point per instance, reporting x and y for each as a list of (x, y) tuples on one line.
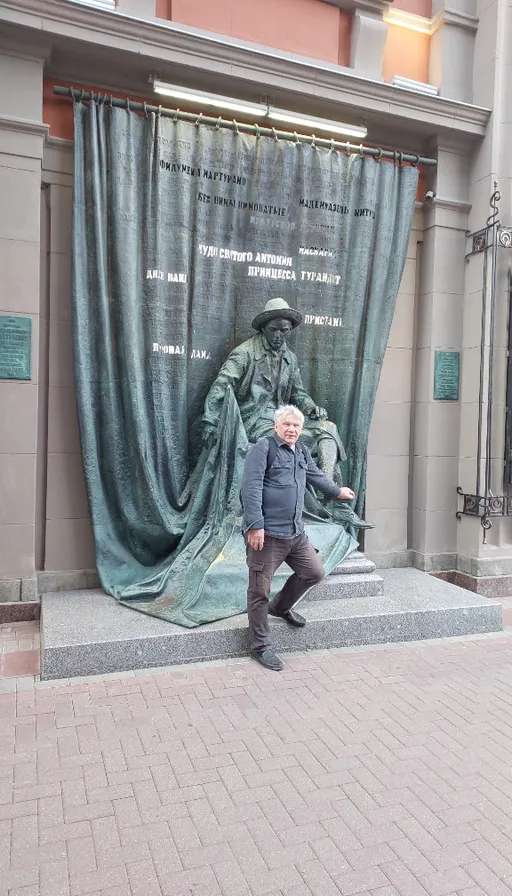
[(159, 43), (447, 16), (61, 143), (454, 17), (24, 126)]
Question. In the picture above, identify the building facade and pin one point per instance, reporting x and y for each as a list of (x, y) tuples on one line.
[(335, 59)]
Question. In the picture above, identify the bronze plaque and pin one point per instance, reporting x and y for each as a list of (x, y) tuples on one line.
[(15, 346), (446, 376)]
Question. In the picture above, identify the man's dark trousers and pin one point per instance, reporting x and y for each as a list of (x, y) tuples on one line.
[(299, 554)]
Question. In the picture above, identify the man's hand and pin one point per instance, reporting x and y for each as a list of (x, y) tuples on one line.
[(209, 437), (255, 538), (346, 494), (318, 414)]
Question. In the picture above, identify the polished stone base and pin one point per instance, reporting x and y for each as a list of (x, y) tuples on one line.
[(487, 586), (19, 611), (88, 632)]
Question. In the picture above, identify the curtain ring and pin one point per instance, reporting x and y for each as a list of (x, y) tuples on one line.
[(332, 144), (111, 101), (401, 159), (361, 150), (82, 96), (128, 104), (313, 141), (257, 129), (175, 113), (378, 154), (236, 126), (275, 134), (198, 119), (296, 137), (347, 148), (145, 109), (416, 161), (73, 94), (217, 126)]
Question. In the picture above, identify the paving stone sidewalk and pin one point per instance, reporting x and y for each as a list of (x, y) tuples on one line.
[(381, 770), (19, 649)]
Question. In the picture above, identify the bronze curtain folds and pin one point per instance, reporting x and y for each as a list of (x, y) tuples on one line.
[(181, 233)]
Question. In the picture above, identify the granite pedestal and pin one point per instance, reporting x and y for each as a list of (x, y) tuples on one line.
[(88, 632)]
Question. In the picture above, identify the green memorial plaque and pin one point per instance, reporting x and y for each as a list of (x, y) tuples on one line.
[(15, 344), (446, 376)]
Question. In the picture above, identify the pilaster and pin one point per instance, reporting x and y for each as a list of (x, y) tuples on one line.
[(452, 48), (69, 540), (389, 443), (369, 33), (435, 453), (490, 167), (21, 147)]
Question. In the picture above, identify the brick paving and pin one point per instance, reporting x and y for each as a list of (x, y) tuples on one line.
[(379, 771), (19, 649)]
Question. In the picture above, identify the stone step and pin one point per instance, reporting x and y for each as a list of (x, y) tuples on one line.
[(356, 562), (88, 632), (348, 587)]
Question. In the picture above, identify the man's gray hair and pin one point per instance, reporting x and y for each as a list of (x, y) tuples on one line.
[(288, 410)]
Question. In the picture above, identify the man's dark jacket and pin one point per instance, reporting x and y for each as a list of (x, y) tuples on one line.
[(273, 499)]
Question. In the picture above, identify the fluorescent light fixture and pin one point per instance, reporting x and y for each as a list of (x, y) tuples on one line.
[(231, 104), (209, 99), (317, 124), (408, 20), (414, 86)]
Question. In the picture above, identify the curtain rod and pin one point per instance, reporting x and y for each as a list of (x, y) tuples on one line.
[(177, 114)]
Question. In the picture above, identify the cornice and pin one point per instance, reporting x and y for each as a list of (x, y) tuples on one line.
[(58, 143), (446, 16), (454, 17), (451, 214), (24, 126), (453, 205), (168, 42)]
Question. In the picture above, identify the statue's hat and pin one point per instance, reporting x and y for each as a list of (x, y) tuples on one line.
[(277, 308)]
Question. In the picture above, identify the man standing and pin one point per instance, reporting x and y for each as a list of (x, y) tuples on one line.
[(274, 483)]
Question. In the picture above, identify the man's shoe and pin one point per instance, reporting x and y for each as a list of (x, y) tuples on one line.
[(344, 514), (268, 658), (290, 616)]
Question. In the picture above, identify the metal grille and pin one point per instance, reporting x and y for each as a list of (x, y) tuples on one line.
[(483, 503)]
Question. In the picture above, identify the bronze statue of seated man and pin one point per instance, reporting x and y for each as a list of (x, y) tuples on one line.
[(264, 375)]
